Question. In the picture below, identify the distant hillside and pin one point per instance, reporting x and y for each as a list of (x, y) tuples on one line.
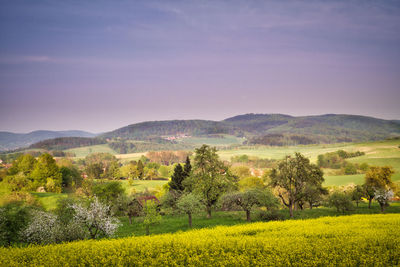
[(270, 129), (10, 141), (63, 143), (151, 129), (266, 129)]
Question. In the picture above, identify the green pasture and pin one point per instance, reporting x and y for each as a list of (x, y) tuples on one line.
[(81, 152), (214, 141), (142, 185), (125, 158), (175, 223), (373, 150), (49, 200)]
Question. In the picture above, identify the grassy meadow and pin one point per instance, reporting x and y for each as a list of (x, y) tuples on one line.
[(176, 223), (81, 152)]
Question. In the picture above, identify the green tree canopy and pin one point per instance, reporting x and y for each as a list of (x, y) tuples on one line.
[(291, 177), (210, 178), (46, 173)]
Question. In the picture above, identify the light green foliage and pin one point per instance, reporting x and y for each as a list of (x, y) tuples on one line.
[(46, 173), (210, 178), (163, 171), (341, 201), (113, 170), (291, 178), (249, 199), (24, 163), (379, 184), (189, 204), (241, 171), (151, 215), (108, 192), (358, 240), (357, 193), (251, 182)]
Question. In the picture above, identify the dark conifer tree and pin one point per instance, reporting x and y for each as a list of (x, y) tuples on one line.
[(187, 169), (177, 179)]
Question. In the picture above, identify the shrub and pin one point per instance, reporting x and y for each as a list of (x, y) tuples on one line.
[(14, 217), (270, 215), (341, 201)]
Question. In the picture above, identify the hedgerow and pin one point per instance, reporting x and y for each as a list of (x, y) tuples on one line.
[(357, 240)]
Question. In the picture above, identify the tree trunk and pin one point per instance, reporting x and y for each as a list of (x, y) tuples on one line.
[(190, 220), (369, 203), (382, 207), (208, 212), (248, 215), (147, 230), (310, 206), (291, 210), (357, 203)]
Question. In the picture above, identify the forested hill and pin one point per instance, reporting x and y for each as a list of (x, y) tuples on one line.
[(327, 128), (266, 129), (9, 141), (260, 128), (150, 129)]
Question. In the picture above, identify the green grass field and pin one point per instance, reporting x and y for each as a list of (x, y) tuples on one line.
[(214, 141), (49, 200), (379, 153), (176, 223), (81, 152), (141, 185)]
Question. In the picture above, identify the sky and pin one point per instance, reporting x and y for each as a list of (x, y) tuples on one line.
[(100, 65)]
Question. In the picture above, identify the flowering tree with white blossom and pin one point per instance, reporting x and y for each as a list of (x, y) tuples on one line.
[(95, 218)]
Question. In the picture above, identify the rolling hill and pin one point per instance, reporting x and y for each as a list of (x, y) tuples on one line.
[(264, 129), (329, 128), (10, 141)]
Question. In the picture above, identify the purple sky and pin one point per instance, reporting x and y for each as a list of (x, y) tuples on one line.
[(100, 65)]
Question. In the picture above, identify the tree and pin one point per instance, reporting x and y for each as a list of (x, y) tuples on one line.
[(341, 201), (291, 177), (378, 180), (313, 194), (189, 204), (24, 163), (177, 179), (108, 192), (187, 169), (140, 169), (46, 173), (248, 199), (14, 217), (251, 182), (383, 196), (241, 171), (18, 182), (94, 170), (113, 170), (163, 171), (357, 193), (151, 215), (70, 176), (95, 218), (210, 178)]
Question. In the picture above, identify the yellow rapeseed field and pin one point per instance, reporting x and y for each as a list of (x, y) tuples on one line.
[(357, 240)]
